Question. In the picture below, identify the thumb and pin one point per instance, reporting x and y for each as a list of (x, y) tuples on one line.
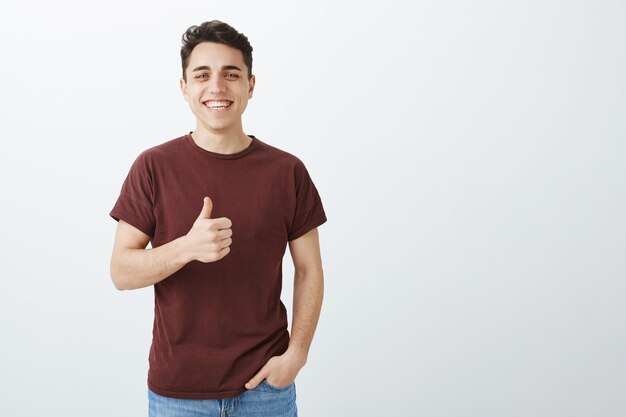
[(206, 209)]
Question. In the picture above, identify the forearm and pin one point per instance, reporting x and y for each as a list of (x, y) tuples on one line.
[(308, 293), (138, 268)]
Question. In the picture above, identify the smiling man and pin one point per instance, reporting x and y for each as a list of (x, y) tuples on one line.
[(219, 208)]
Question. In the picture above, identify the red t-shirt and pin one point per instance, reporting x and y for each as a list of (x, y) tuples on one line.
[(216, 324)]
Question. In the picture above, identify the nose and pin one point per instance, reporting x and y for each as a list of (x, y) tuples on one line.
[(217, 84)]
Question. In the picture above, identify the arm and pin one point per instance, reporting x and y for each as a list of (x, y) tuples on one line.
[(133, 266), (308, 293)]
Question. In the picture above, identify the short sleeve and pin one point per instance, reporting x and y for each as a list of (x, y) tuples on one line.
[(135, 202), (309, 212)]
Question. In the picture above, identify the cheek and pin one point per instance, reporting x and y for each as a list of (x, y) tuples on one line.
[(195, 95)]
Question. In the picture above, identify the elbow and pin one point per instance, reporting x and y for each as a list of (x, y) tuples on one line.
[(116, 277), (119, 286), (118, 282)]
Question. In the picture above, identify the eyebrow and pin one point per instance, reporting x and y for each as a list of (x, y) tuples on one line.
[(225, 67)]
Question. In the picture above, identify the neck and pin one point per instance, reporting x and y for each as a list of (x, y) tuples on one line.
[(221, 141)]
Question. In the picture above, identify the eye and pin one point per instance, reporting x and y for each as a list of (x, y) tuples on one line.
[(199, 75), (232, 75)]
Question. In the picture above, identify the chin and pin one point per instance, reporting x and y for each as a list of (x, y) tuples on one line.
[(217, 127)]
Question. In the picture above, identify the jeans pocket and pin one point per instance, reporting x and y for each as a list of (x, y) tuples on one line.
[(276, 388)]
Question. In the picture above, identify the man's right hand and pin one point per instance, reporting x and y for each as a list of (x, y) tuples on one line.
[(209, 239)]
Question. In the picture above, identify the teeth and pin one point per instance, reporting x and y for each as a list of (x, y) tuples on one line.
[(218, 104)]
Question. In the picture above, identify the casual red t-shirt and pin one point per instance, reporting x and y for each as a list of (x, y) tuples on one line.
[(216, 324)]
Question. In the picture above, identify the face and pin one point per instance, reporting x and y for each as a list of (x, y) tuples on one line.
[(217, 87)]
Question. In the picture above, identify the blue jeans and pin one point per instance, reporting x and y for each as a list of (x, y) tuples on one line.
[(261, 401)]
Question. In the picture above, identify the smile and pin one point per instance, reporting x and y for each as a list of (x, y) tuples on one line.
[(218, 104)]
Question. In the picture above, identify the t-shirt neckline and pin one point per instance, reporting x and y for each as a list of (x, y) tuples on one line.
[(243, 152)]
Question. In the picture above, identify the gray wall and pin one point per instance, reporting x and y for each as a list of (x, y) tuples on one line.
[(470, 156)]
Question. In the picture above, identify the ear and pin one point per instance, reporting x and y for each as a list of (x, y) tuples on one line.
[(183, 89), (251, 88)]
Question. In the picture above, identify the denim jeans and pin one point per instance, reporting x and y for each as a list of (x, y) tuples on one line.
[(261, 401)]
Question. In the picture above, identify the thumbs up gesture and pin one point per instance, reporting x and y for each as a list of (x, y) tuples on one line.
[(209, 239)]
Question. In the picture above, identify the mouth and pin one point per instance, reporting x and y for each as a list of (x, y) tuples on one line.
[(217, 105)]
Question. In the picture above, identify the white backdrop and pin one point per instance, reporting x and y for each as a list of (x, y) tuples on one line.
[(471, 161)]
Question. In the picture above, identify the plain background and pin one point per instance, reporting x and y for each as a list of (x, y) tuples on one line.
[(470, 157)]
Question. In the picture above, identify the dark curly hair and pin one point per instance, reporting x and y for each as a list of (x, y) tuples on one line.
[(219, 32)]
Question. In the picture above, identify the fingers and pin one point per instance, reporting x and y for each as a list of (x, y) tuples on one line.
[(256, 380), (223, 252), (224, 243), (219, 224), (222, 223), (224, 233)]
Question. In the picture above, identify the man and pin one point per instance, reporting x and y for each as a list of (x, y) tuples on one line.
[(220, 207)]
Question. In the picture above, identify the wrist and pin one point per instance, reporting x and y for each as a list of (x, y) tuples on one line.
[(298, 354), (181, 250)]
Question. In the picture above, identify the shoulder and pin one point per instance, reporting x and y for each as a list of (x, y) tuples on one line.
[(161, 151), (279, 156)]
